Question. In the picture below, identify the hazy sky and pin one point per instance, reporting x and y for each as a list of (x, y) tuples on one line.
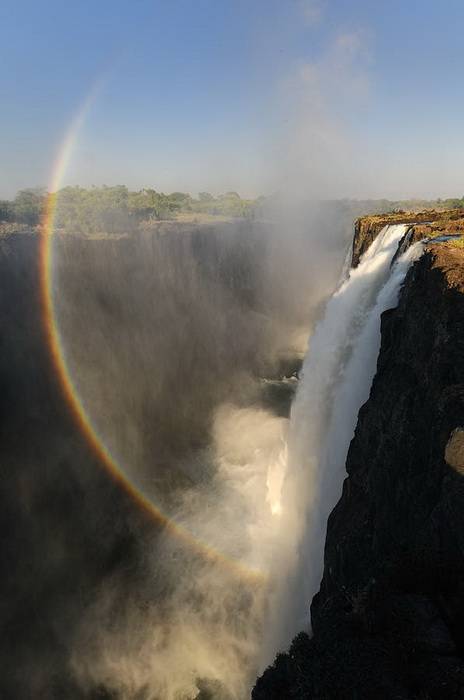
[(337, 97)]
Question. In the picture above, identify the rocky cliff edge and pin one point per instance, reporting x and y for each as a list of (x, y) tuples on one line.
[(388, 620), (424, 224)]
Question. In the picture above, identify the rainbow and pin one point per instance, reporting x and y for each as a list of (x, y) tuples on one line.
[(71, 394)]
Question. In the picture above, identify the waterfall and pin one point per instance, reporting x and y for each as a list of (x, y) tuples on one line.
[(336, 378)]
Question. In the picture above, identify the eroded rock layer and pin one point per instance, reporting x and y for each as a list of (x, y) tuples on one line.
[(423, 224)]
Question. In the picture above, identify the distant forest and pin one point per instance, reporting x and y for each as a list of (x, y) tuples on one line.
[(118, 210)]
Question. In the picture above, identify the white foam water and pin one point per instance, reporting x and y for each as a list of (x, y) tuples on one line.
[(337, 375)]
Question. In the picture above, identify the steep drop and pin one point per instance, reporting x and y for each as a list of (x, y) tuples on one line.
[(337, 375), (388, 619)]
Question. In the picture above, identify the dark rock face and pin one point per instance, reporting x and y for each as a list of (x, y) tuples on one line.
[(389, 618)]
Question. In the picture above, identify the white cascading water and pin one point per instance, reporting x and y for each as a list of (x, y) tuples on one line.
[(336, 378)]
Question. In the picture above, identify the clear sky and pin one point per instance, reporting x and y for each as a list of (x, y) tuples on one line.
[(336, 97)]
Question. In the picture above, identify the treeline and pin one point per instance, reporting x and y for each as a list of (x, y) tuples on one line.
[(418, 204), (119, 210), (116, 210), (385, 206)]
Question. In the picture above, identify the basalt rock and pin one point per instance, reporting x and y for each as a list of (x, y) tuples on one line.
[(388, 621)]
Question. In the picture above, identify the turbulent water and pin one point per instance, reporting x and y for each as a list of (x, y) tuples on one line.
[(336, 380)]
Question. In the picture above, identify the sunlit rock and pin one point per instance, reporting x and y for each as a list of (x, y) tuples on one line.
[(454, 451)]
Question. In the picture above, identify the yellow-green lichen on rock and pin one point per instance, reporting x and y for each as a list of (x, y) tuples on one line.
[(454, 451)]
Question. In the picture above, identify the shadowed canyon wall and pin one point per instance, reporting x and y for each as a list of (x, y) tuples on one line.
[(388, 619)]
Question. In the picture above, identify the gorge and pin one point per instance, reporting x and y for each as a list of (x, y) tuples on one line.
[(144, 416), (178, 558)]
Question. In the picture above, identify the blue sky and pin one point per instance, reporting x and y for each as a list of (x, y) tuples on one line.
[(337, 97)]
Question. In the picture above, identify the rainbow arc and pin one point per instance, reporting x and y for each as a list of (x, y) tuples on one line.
[(74, 400)]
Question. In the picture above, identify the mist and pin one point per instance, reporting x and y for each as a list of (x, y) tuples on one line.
[(184, 350)]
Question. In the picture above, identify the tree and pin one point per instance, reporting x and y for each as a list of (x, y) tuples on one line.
[(6, 210), (179, 201), (29, 206)]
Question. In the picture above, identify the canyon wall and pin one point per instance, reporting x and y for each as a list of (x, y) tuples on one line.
[(388, 620)]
